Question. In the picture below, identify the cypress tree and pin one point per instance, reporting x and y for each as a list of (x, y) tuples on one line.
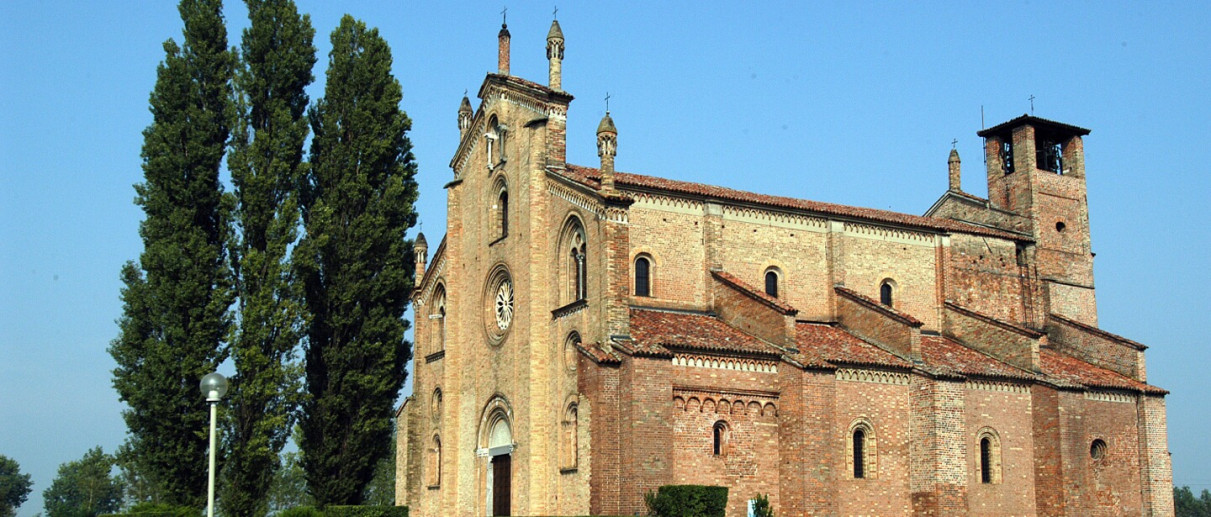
[(276, 58), (355, 264), (176, 298)]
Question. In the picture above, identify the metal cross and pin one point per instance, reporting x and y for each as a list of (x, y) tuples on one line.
[(555, 14), (953, 143), (607, 99), (504, 15), (1032, 104)]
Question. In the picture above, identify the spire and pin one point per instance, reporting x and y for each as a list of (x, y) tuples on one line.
[(953, 165), (420, 250), (464, 116), (607, 146), (555, 54), (502, 51)]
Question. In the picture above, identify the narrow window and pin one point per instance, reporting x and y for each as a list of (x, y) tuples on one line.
[(503, 203), (719, 435), (435, 463), (885, 294), (859, 454), (771, 283), (570, 449), (441, 329), (1007, 157), (578, 267), (985, 460), (642, 277)]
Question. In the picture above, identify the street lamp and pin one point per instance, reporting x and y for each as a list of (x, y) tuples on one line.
[(214, 386)]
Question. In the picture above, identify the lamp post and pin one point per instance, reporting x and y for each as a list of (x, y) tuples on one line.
[(214, 386)]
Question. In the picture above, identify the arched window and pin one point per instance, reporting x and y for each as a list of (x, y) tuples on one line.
[(502, 212), (435, 405), (573, 259), (985, 460), (720, 438), (771, 282), (885, 293), (859, 453), (435, 462), (569, 446), (862, 450), (643, 276), (569, 351), (439, 318), (495, 140), (989, 460)]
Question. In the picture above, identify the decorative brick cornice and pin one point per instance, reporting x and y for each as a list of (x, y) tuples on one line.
[(569, 309), (888, 232), (1110, 396), (988, 385), (873, 376), (725, 363), (878, 307)]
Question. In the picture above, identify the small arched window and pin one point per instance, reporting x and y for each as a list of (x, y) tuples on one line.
[(502, 203), (569, 444), (577, 255), (990, 457), (859, 453), (643, 276), (885, 293), (435, 462), (771, 282), (719, 435)]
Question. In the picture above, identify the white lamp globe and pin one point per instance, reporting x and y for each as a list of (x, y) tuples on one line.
[(214, 386)]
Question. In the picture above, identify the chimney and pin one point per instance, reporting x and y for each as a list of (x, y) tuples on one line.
[(464, 117), (420, 250), (953, 165)]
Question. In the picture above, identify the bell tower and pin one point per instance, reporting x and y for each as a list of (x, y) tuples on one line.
[(1036, 170)]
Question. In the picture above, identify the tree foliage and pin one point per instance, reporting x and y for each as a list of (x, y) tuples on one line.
[(276, 58), (355, 265), (1186, 505), (176, 298), (84, 488), (14, 486)]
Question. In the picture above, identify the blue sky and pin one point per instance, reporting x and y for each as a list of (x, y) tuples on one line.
[(852, 102)]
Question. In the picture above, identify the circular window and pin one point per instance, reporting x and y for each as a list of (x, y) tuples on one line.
[(1060, 226), (1098, 449), (499, 305)]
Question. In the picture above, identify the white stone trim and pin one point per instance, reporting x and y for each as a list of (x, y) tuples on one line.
[(1006, 387), (873, 376), (1110, 396), (725, 363)]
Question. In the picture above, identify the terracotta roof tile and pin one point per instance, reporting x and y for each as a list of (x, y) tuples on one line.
[(597, 353), (592, 178), (695, 331), (753, 292), (943, 353), (825, 345), (870, 303), (1075, 371)]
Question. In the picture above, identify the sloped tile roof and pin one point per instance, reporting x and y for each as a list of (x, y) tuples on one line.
[(592, 177), (599, 354), (753, 292), (827, 345), (870, 303), (1075, 371), (668, 329), (948, 355)]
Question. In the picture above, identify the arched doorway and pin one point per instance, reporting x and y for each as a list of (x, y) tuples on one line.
[(496, 446)]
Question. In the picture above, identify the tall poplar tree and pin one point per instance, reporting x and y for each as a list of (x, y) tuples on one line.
[(276, 58), (355, 264), (176, 298)]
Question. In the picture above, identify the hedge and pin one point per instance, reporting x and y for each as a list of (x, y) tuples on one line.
[(688, 501)]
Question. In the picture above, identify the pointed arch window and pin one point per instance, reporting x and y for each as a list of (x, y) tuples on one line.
[(495, 142), (435, 462), (643, 276), (576, 257), (439, 317), (569, 442), (502, 203)]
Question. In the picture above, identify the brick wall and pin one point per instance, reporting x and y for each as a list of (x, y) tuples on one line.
[(1016, 346), (1000, 407), (1096, 348), (887, 408)]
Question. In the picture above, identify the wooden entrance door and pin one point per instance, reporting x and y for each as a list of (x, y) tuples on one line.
[(502, 472)]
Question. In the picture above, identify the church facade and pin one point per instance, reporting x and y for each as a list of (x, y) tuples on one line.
[(584, 336)]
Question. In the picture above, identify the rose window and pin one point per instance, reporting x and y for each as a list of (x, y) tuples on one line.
[(504, 305)]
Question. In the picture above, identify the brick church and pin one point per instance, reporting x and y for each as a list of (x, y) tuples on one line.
[(585, 335)]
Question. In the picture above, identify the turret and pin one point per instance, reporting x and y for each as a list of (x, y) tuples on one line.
[(420, 249), (555, 54), (464, 117), (607, 146), (502, 51), (952, 164)]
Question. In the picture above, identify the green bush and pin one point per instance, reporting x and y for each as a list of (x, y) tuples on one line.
[(687, 501), (365, 511), (761, 506), (300, 511), (158, 510)]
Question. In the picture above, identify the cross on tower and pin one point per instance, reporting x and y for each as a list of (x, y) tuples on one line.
[(954, 142), (1032, 104), (607, 99), (555, 14), (504, 16)]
